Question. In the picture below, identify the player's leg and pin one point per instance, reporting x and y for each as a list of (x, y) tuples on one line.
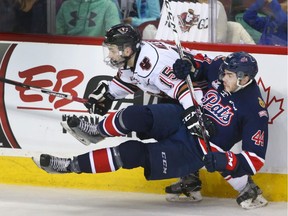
[(147, 121), (166, 120), (168, 158), (130, 154)]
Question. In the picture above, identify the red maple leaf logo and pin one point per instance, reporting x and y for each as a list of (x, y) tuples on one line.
[(274, 105)]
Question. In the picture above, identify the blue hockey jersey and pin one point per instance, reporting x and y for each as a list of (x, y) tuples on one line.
[(240, 116)]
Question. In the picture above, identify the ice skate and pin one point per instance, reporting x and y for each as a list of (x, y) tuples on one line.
[(52, 164), (82, 130), (251, 196), (185, 190)]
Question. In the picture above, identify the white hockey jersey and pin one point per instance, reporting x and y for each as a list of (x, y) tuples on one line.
[(153, 74)]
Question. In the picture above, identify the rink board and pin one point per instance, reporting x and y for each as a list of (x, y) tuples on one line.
[(23, 171)]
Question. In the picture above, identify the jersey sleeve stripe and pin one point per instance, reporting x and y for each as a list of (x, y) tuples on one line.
[(254, 162), (122, 86)]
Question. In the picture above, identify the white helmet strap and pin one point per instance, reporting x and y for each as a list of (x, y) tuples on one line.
[(239, 86)]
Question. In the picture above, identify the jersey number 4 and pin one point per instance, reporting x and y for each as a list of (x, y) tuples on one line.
[(258, 138)]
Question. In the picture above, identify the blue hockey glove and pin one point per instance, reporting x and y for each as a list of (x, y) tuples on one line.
[(218, 161), (100, 100), (191, 121)]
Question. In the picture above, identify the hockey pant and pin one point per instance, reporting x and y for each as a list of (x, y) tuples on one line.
[(174, 152)]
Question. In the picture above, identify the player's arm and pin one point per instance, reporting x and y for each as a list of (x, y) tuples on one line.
[(199, 67), (101, 99), (251, 158), (251, 17), (172, 79), (120, 87), (279, 15), (254, 143)]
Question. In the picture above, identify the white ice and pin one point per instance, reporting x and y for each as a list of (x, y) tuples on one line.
[(39, 201)]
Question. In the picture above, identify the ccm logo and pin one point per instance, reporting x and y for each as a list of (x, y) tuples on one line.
[(230, 159), (164, 162)]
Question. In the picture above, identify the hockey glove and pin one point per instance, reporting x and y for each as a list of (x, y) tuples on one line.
[(183, 67), (191, 121), (100, 100), (218, 161)]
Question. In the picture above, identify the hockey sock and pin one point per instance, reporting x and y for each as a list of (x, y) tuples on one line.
[(133, 118), (112, 125), (99, 161), (237, 183)]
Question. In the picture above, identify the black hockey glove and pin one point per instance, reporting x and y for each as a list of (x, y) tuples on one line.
[(185, 66), (192, 123), (100, 100)]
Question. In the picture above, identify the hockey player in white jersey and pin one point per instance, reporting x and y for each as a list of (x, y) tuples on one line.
[(141, 65), (147, 66)]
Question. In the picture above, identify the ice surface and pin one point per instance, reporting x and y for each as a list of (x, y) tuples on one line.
[(39, 201)]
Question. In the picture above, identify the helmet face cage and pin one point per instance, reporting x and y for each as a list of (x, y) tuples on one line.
[(241, 63), (113, 56)]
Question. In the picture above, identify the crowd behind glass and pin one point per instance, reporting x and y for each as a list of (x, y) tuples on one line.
[(92, 18)]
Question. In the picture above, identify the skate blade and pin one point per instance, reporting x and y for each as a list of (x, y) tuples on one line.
[(80, 137), (37, 162), (259, 202), (77, 136), (194, 197)]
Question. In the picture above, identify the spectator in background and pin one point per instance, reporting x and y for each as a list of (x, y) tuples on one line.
[(31, 16), (237, 34), (142, 11), (274, 27), (86, 18), (58, 4), (251, 31), (7, 15), (23, 16)]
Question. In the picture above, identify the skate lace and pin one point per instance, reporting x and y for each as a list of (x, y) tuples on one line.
[(88, 128), (59, 164)]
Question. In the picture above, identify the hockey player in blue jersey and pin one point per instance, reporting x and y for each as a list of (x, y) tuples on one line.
[(234, 103)]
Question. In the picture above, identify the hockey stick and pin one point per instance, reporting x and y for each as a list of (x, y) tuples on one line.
[(42, 90), (172, 25)]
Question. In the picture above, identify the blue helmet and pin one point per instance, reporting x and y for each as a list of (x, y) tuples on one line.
[(241, 63)]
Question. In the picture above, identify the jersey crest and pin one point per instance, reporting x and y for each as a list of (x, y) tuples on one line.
[(221, 113), (261, 102)]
